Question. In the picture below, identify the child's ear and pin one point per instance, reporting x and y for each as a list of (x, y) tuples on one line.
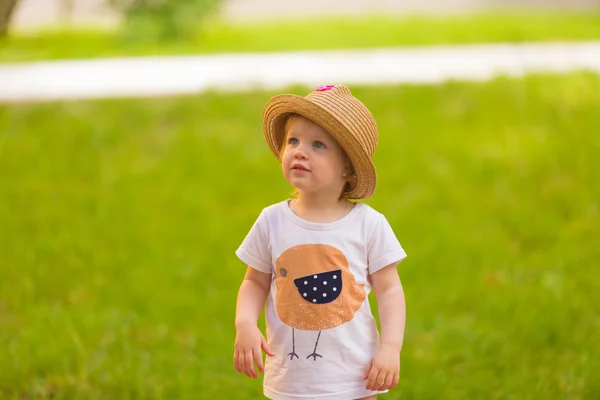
[(348, 170), (351, 179), (349, 175)]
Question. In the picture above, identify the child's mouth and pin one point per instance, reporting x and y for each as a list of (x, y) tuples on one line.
[(300, 168)]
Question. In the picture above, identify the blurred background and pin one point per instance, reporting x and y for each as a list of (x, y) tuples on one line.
[(120, 216), (37, 13)]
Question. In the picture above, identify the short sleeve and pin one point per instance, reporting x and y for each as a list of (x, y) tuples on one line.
[(254, 250), (384, 248)]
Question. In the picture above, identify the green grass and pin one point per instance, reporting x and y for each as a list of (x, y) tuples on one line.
[(120, 218), (307, 34)]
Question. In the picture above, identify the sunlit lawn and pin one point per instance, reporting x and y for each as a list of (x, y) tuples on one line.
[(119, 221), (312, 33)]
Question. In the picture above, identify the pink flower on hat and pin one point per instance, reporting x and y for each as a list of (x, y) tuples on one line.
[(324, 88)]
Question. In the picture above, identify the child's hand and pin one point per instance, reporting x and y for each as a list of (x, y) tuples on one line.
[(383, 372), (248, 343)]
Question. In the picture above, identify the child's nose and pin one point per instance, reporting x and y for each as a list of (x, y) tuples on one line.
[(299, 153)]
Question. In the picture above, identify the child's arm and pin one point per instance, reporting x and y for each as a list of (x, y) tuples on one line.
[(384, 370), (249, 339), (391, 305)]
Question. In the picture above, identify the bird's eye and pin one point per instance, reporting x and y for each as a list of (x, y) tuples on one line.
[(283, 272)]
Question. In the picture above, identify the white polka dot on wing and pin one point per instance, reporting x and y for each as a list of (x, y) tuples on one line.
[(324, 282), (304, 294), (324, 294), (314, 300), (314, 276), (335, 289), (315, 289), (306, 282), (335, 277)]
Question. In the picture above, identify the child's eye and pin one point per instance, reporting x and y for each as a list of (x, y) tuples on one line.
[(319, 145), (292, 141)]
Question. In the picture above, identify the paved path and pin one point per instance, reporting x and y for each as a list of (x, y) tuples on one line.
[(160, 76)]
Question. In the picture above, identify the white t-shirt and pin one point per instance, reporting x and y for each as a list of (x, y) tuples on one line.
[(318, 317)]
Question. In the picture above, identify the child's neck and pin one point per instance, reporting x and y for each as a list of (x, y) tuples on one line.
[(320, 208)]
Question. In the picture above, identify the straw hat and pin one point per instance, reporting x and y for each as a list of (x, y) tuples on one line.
[(339, 113)]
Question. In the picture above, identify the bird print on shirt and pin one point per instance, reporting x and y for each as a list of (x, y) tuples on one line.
[(315, 290), (321, 288)]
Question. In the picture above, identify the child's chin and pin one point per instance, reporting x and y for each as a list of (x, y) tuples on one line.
[(298, 184), (299, 188)]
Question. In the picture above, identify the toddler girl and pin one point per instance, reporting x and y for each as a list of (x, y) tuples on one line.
[(315, 258)]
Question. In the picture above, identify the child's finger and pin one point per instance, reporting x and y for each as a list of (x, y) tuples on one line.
[(266, 348), (258, 358), (368, 370), (395, 380), (379, 380), (250, 364), (387, 382), (236, 361), (244, 364), (372, 376)]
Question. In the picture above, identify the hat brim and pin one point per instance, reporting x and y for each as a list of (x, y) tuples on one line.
[(280, 107)]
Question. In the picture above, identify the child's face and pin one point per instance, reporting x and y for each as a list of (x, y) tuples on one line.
[(312, 159)]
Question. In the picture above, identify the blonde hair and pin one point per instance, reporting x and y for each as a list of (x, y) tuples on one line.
[(288, 122)]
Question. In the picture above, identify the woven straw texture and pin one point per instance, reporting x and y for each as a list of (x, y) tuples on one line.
[(342, 115)]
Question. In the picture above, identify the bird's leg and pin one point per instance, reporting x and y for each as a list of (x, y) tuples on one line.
[(314, 355), (293, 353)]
